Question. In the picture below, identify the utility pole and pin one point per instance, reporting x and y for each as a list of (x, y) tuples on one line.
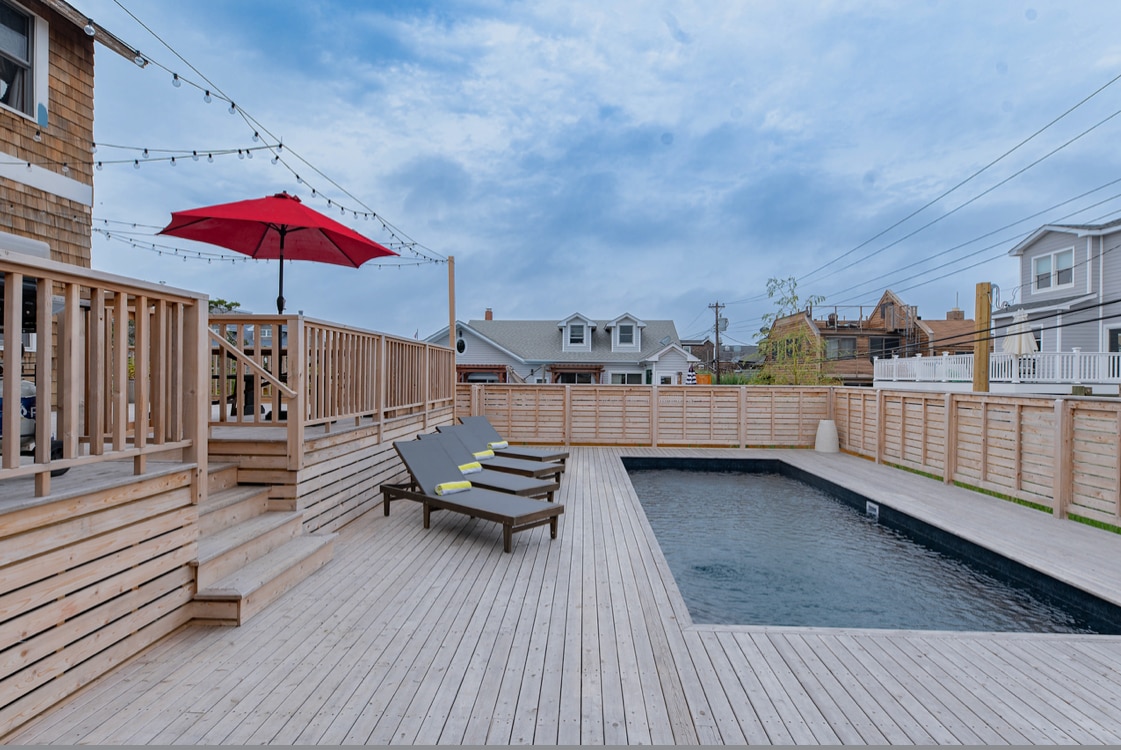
[(717, 307), (982, 321)]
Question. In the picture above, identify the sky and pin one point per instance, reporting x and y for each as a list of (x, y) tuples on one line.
[(623, 156)]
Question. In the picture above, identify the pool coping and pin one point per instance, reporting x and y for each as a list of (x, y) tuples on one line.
[(1096, 608)]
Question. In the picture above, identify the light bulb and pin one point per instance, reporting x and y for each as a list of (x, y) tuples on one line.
[(248, 154), (301, 182), (342, 210), (93, 148), (194, 155), (65, 168), (140, 60), (276, 159), (89, 29), (173, 161), (38, 136), (99, 166), (210, 158), (175, 80), (233, 108), (240, 154), (136, 164), (256, 136), (206, 96), (145, 154), (28, 166)]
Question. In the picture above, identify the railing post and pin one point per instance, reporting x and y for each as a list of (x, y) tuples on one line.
[(196, 392), (894, 367), (1077, 374), (945, 367), (297, 374)]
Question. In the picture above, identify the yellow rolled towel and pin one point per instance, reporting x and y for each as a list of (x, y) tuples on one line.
[(470, 468), (498, 445), (483, 455), (450, 488)]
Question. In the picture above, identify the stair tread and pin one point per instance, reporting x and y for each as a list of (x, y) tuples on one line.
[(257, 573), (230, 496), (213, 545)]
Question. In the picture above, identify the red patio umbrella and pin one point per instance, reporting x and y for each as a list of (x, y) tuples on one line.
[(279, 227)]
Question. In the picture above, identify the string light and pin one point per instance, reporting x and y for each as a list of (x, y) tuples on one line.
[(136, 164), (256, 136), (88, 28), (206, 96), (194, 156), (175, 80), (65, 168), (145, 154), (233, 108), (173, 161), (38, 136), (93, 148)]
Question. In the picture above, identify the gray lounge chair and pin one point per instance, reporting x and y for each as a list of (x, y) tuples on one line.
[(524, 467), (485, 432), (489, 479), (430, 465)]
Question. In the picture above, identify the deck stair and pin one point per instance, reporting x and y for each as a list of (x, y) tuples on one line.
[(248, 553)]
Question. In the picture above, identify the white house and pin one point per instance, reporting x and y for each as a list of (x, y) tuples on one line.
[(625, 350)]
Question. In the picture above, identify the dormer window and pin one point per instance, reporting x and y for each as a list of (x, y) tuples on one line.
[(626, 335), (575, 334)]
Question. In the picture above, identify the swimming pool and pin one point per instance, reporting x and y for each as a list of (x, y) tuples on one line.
[(766, 549)]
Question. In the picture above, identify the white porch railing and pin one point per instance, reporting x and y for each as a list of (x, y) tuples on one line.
[(1060, 368)]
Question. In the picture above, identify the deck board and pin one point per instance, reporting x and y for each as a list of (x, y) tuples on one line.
[(436, 636)]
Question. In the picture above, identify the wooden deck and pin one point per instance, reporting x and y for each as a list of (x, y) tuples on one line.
[(415, 636)]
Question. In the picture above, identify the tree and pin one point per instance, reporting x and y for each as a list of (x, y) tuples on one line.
[(219, 305), (792, 352)]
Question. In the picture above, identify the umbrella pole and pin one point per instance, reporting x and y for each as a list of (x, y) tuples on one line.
[(280, 296)]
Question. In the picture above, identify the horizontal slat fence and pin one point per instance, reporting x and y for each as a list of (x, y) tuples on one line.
[(649, 415), (1063, 454)]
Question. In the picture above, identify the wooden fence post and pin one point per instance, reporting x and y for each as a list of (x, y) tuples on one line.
[(1063, 488), (950, 440), (880, 426), (567, 414), (297, 379), (654, 416)]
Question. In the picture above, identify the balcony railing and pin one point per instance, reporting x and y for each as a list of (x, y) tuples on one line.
[(1050, 368)]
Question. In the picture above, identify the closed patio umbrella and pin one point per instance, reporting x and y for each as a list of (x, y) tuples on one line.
[(275, 227), (1019, 339)]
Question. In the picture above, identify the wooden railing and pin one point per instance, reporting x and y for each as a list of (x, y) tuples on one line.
[(116, 371), (265, 370), (1063, 454)]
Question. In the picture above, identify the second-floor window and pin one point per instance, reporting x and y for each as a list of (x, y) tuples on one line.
[(840, 348), (15, 59), (575, 334), (626, 335), (1054, 270)]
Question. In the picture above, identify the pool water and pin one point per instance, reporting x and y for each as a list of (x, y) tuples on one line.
[(764, 549)]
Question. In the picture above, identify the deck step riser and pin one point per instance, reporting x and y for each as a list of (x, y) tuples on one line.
[(211, 522), (222, 477), (230, 560)]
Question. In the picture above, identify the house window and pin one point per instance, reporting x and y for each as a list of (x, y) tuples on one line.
[(1054, 270), (575, 334), (883, 346), (16, 55), (574, 378), (626, 378), (840, 348), (626, 335)]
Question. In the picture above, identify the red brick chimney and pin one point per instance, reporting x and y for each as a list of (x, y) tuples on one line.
[(956, 314), (489, 314)]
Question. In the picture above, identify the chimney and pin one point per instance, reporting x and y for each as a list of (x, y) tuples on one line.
[(489, 314), (956, 314)]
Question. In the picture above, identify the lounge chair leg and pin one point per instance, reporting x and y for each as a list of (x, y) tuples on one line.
[(507, 538), (553, 527), (427, 514)]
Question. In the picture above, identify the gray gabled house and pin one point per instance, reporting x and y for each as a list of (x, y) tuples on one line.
[(1070, 287), (625, 350)]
